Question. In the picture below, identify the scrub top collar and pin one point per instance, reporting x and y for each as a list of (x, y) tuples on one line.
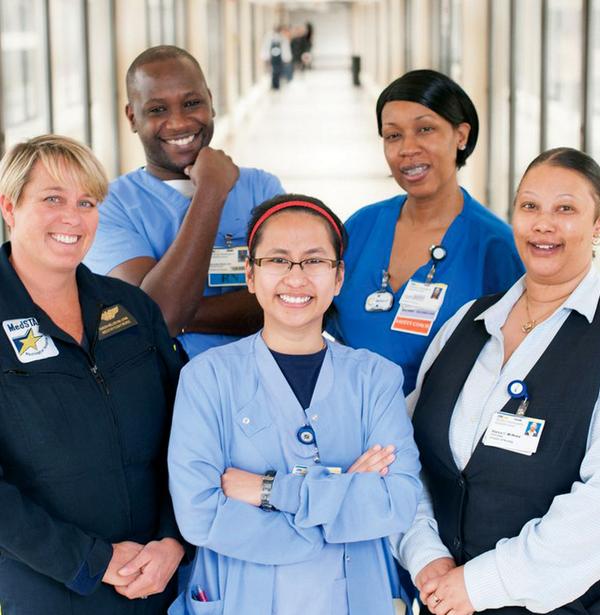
[(450, 239), (584, 300), (273, 378), (162, 189)]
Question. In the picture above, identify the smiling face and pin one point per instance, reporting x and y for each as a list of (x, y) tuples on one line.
[(554, 222), (420, 148), (171, 110), (294, 303), (53, 225)]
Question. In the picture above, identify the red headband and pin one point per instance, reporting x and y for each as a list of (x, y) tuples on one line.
[(287, 204)]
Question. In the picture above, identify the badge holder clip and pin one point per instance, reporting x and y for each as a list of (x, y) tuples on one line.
[(381, 300)]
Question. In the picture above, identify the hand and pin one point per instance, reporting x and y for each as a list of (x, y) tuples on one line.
[(448, 594), (154, 566), (241, 485), (375, 459), (436, 568), (213, 171), (123, 552)]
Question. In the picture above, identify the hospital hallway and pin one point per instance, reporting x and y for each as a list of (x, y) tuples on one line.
[(318, 134)]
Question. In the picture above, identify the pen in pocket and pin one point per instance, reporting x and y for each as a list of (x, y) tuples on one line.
[(198, 594)]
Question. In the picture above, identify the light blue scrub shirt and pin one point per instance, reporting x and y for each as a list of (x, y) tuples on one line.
[(481, 259), (323, 551), (141, 216)]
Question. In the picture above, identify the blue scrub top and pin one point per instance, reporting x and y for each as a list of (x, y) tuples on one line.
[(141, 216), (325, 550), (481, 259)]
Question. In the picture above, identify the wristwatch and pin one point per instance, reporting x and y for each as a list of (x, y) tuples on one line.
[(265, 491)]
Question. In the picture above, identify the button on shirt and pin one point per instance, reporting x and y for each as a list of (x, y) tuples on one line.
[(556, 558)]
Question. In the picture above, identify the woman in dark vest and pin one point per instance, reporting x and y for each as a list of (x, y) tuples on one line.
[(506, 422)]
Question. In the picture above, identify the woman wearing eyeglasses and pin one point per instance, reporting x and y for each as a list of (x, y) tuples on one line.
[(290, 457)]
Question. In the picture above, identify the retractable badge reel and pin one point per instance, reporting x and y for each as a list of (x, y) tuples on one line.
[(381, 300), (517, 389), (438, 254), (306, 435)]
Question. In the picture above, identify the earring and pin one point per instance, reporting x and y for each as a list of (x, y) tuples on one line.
[(462, 147), (596, 240)]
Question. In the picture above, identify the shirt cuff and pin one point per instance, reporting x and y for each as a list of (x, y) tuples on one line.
[(91, 571), (419, 547), (484, 584), (285, 492)]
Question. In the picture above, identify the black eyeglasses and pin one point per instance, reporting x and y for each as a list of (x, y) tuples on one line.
[(311, 266)]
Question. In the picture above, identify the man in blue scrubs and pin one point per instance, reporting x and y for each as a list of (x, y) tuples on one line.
[(177, 226)]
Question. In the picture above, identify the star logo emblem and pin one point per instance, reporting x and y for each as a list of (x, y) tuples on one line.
[(28, 342)]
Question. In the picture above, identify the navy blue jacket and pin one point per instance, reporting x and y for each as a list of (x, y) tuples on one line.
[(83, 435)]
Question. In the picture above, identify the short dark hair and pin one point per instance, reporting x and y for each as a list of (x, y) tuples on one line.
[(339, 242), (439, 93), (156, 54), (573, 160)]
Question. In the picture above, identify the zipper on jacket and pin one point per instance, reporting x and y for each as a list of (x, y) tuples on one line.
[(99, 378)]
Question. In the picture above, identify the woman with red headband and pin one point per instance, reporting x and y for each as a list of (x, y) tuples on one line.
[(291, 457)]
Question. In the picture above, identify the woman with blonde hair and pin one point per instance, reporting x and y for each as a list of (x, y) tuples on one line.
[(87, 376)]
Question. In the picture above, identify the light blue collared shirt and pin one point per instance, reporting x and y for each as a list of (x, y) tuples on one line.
[(556, 558)]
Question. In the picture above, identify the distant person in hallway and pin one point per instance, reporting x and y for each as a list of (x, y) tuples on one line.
[(508, 524), (436, 234), (176, 226), (277, 53), (291, 458)]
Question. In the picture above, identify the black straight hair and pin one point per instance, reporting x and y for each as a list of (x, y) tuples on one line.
[(439, 93), (339, 241)]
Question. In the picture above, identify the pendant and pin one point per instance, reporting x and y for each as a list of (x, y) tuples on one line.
[(526, 327)]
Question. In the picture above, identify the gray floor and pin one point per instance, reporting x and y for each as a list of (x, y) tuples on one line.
[(318, 134)]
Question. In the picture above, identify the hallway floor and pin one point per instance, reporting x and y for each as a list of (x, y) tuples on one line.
[(318, 134)]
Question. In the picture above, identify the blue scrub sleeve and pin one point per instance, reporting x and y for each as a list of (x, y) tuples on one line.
[(205, 516), (271, 187), (117, 240), (362, 506)]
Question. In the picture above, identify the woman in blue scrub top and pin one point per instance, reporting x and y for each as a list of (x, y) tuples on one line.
[(436, 233), (292, 457)]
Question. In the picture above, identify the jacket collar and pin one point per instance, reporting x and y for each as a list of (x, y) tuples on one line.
[(16, 302)]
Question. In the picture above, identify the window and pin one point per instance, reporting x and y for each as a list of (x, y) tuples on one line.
[(526, 73), (25, 99), (563, 66), (68, 69), (593, 127)]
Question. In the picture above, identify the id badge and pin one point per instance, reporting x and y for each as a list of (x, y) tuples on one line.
[(519, 434), (227, 267), (420, 304), (380, 301)]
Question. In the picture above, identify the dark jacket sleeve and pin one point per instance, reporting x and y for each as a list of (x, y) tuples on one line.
[(48, 545), (171, 362)]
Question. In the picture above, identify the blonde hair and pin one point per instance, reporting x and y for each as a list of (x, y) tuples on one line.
[(62, 156)]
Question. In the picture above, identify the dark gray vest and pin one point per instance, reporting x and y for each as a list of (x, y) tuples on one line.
[(499, 491)]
